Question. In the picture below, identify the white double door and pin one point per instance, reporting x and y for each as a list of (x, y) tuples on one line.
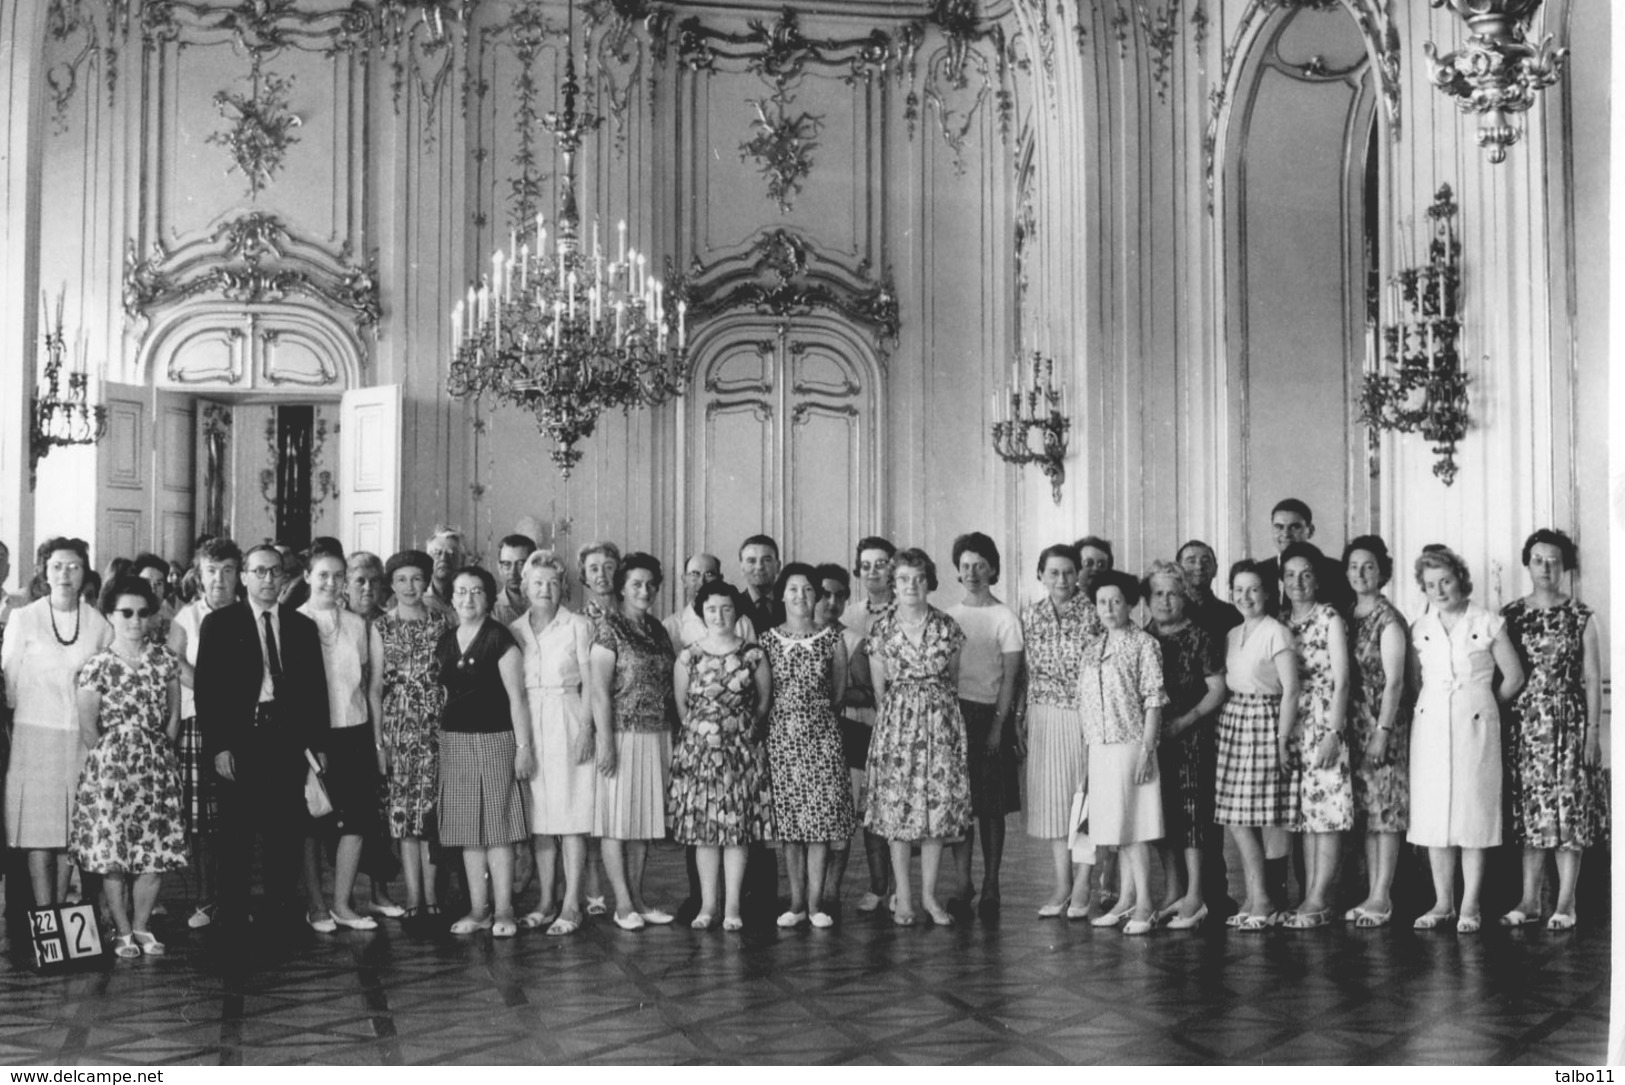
[(175, 463)]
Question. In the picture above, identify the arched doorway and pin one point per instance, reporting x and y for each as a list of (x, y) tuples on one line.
[(1299, 207)]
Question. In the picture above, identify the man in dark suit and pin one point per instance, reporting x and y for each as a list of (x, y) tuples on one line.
[(759, 568), (1290, 522), (261, 693)]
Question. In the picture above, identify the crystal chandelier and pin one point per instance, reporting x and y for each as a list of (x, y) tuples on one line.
[(561, 331), (63, 418)]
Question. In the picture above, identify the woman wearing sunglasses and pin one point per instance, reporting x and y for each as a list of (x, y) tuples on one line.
[(127, 817)]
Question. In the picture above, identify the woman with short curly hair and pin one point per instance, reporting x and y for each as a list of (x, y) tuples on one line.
[(919, 782)]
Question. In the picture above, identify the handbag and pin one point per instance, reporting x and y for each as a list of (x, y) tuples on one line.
[(1077, 838), (316, 800)]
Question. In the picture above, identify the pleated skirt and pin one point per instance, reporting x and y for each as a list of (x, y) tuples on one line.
[(41, 783), (1120, 810), (1056, 756), (481, 805), (631, 805)]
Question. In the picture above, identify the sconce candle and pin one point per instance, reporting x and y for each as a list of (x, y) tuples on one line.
[(1043, 412), (1419, 384)]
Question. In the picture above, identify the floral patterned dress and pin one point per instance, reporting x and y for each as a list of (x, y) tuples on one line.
[(412, 698), (1325, 797), (1558, 801), (1382, 789), (127, 815), (919, 778), (812, 793), (720, 794)]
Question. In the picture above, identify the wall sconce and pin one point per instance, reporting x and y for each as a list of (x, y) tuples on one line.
[(1497, 72), (1419, 385), (1038, 405), (62, 418)]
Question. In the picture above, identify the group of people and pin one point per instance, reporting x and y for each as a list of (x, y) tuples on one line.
[(440, 706)]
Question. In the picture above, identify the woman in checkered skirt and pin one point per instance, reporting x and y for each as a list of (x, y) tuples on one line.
[(1254, 790)]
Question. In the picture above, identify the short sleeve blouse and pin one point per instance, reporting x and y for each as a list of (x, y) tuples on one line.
[(1119, 678), (476, 699), (1249, 661), (644, 661), (990, 633)]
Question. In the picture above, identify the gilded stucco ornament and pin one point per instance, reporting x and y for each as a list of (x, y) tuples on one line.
[(261, 130), (251, 259), (1497, 73), (783, 275), (781, 147)]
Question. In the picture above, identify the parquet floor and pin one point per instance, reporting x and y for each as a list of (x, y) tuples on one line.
[(1020, 990)]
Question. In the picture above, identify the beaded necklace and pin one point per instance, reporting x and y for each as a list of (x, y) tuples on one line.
[(78, 620)]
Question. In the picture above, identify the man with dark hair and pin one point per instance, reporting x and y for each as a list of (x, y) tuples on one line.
[(1290, 522), (261, 694), (759, 568), (512, 553)]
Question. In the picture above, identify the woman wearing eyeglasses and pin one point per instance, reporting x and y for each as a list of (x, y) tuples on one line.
[(485, 754), (46, 645), (127, 814)]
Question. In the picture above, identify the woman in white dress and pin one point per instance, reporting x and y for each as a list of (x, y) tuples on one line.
[(1456, 648), (46, 644), (557, 643)]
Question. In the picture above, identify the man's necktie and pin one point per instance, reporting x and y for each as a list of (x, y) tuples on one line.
[(273, 657)]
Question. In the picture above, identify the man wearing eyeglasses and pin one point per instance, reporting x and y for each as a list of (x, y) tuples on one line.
[(683, 625), (261, 695)]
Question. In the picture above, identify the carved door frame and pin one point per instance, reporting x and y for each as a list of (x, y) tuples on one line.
[(782, 339)]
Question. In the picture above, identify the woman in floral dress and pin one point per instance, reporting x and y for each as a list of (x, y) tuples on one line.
[(812, 793), (1379, 745), (409, 702), (1560, 798), (1317, 755), (720, 798), (127, 816), (919, 779)]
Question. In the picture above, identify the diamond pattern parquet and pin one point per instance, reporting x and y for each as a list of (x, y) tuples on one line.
[(1019, 991)]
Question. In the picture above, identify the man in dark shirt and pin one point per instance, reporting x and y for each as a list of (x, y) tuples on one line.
[(1211, 611), (759, 568)]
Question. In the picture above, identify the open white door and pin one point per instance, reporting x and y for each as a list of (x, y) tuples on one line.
[(370, 469), (124, 473), (174, 471)]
